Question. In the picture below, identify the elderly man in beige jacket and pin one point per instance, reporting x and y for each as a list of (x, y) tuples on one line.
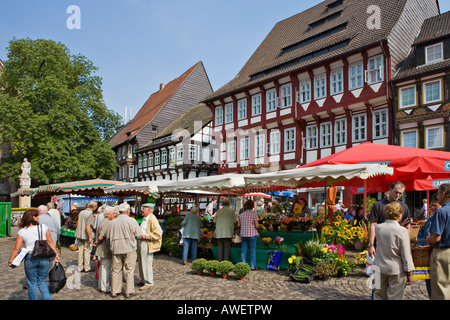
[(122, 235), (150, 243)]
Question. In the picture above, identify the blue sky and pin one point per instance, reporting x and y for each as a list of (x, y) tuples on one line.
[(138, 44)]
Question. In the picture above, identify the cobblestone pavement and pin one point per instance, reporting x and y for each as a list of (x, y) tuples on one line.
[(174, 281)]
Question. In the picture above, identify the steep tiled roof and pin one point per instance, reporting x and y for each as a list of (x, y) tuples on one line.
[(432, 29), (270, 55), (150, 109), (199, 113)]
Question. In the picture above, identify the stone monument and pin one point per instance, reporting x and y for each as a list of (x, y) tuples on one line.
[(25, 183)]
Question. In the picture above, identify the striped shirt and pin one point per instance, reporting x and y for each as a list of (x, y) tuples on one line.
[(247, 220)]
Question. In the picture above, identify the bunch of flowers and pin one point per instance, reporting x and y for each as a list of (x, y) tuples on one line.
[(337, 249), (305, 223), (278, 242), (342, 232), (344, 265), (323, 269), (289, 222), (294, 262), (266, 242), (361, 258), (272, 217), (262, 228)]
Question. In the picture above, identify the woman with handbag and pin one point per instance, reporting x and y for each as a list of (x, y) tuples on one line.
[(36, 266)]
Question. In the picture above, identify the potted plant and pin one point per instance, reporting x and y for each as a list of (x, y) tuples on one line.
[(241, 269), (212, 266), (199, 265), (225, 267), (344, 266), (324, 269)]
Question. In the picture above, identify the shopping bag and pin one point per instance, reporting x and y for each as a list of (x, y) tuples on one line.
[(273, 264), (97, 270), (56, 278)]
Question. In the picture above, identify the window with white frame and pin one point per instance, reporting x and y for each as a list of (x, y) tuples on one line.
[(229, 113), (286, 96), (407, 97), (139, 162), (311, 137), (171, 154), (219, 116), (320, 86), (145, 160), (340, 131), (242, 109), (244, 148), (408, 138), (289, 140), (150, 159), (432, 91), (336, 81), (193, 152), (231, 151), (180, 153), (260, 145), (271, 100), (256, 104), (275, 140), (131, 171), (157, 158), (305, 91), (380, 123), (434, 137), (375, 69), (355, 74), (164, 156), (326, 135), (359, 127), (124, 172), (434, 53)]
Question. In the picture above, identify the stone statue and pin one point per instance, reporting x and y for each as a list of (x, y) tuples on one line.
[(25, 180)]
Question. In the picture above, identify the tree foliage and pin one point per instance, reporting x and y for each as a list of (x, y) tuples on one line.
[(52, 113)]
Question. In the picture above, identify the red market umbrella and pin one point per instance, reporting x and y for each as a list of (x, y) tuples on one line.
[(410, 164), (258, 194)]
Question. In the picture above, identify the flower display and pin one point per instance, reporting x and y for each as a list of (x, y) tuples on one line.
[(294, 262), (278, 242), (342, 232), (344, 265), (266, 242)]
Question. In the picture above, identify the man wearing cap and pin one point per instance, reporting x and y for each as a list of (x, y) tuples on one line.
[(122, 235), (150, 243)]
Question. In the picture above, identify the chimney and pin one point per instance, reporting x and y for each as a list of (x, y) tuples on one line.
[(161, 86)]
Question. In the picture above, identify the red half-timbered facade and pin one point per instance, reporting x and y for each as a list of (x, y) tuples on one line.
[(318, 84)]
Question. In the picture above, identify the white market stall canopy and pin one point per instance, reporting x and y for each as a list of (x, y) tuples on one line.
[(293, 178)]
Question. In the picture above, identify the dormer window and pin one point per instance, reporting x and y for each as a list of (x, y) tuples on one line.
[(433, 53)]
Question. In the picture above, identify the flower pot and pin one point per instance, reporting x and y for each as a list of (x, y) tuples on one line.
[(224, 275), (212, 273), (199, 272), (241, 277)]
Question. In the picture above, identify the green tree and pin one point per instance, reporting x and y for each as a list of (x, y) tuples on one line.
[(52, 112)]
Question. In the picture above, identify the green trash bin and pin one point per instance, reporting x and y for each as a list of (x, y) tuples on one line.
[(5, 219)]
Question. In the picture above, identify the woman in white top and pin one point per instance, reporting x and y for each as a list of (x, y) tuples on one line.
[(36, 268)]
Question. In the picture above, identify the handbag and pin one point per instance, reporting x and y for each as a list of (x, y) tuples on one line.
[(41, 247), (236, 239)]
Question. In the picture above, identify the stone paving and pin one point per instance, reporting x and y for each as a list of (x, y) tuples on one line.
[(174, 281)]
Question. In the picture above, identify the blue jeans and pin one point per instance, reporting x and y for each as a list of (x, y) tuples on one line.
[(187, 242), (246, 242), (36, 272)]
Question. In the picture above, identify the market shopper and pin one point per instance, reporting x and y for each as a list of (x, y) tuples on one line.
[(36, 268), (122, 235), (149, 244), (104, 252), (393, 258), (440, 240), (50, 222), (377, 216), (192, 225), (248, 224), (85, 238), (225, 219)]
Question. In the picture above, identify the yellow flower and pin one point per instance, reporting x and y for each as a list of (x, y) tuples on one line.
[(340, 234), (338, 217), (325, 229), (331, 232), (336, 224)]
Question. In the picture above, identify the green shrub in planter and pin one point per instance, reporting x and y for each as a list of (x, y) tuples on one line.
[(199, 264), (225, 267), (241, 269), (212, 265)]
